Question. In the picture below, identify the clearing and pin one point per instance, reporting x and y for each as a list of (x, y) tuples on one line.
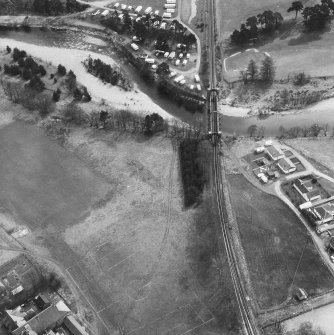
[(274, 243)]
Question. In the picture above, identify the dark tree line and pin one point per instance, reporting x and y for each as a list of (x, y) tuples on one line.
[(314, 130), (193, 174), (317, 16), (190, 101), (57, 7), (265, 23), (107, 73)]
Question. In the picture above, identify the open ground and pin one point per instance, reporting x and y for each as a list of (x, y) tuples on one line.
[(280, 254), (108, 207)]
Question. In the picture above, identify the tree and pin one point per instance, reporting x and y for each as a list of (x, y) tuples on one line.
[(252, 130), (296, 6), (36, 83), (8, 49), (71, 81), (316, 17), (127, 20), (56, 7), (42, 70), (163, 69), (77, 94), (26, 74), (251, 21), (56, 95), (252, 70), (61, 70), (267, 71)]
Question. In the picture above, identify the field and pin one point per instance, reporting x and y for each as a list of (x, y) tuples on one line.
[(320, 150), (274, 242), (108, 207), (237, 62)]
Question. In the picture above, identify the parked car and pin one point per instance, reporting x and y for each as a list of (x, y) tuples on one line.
[(191, 87), (134, 46), (184, 62), (171, 55), (182, 82), (188, 55), (177, 62), (136, 39), (166, 54), (154, 66), (181, 55), (197, 80), (172, 74)]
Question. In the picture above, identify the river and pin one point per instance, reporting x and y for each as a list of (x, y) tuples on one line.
[(320, 113)]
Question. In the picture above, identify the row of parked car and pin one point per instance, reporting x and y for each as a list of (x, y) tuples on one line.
[(181, 80)]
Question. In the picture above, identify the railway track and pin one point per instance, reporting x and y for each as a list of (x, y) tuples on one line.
[(246, 314)]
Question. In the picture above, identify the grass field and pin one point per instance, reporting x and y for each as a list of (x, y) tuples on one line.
[(320, 150), (274, 241), (240, 61), (108, 207)]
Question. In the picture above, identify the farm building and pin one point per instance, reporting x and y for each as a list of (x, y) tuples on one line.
[(306, 189), (274, 153), (286, 166), (324, 213)]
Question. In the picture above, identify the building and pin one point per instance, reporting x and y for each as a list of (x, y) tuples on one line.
[(324, 213), (73, 326), (274, 153), (306, 189), (18, 321), (286, 166)]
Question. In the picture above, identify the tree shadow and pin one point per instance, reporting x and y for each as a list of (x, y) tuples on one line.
[(307, 37)]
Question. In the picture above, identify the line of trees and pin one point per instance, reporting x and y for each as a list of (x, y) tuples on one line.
[(57, 7), (192, 172), (107, 73), (266, 73), (191, 101), (265, 23)]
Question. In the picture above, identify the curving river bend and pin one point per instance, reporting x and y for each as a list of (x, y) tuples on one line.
[(321, 113)]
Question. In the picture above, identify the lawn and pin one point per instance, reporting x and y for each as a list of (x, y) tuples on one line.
[(274, 240)]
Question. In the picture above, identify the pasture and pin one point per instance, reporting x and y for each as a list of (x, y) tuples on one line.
[(274, 242), (108, 207)]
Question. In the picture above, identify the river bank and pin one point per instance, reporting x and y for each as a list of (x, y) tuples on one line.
[(135, 101)]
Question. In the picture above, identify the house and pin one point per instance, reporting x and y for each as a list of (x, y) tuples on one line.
[(274, 153), (306, 189), (18, 321), (286, 166), (73, 326), (324, 213)]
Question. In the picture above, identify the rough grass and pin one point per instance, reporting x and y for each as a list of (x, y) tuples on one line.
[(273, 240)]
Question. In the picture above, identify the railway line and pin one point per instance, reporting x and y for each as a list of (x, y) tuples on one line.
[(213, 130)]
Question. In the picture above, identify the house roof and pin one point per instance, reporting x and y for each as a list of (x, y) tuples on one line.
[(17, 316), (73, 326), (45, 319), (301, 186), (275, 152), (286, 164)]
